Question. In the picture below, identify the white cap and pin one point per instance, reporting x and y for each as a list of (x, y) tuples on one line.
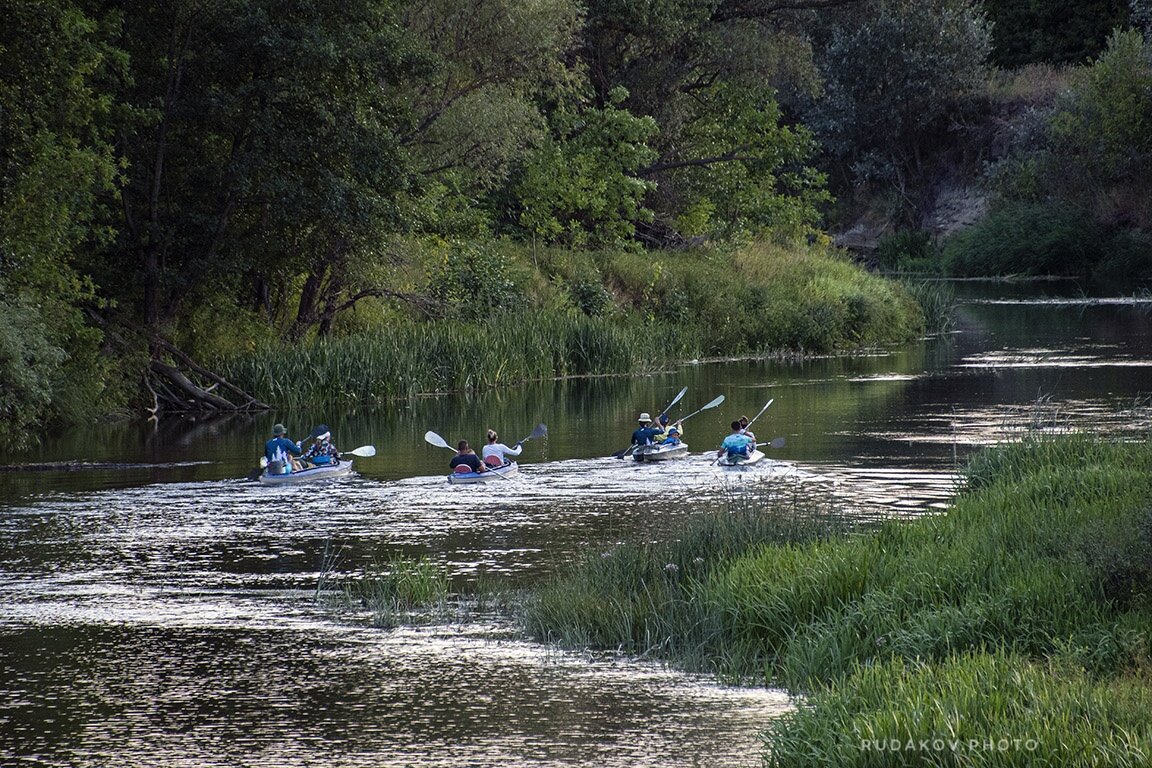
[(644, 417)]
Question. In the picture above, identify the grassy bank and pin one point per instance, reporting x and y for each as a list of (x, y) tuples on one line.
[(565, 313), (1027, 606)]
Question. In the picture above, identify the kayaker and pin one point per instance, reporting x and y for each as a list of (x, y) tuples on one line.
[(736, 444), (466, 459), (645, 432), (673, 437), (322, 451), (494, 451), (281, 452), (744, 428)]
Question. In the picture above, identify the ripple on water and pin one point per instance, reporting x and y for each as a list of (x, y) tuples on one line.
[(325, 695), (175, 624)]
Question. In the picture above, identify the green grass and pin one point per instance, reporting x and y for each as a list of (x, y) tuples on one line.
[(402, 590), (972, 709), (418, 358), (645, 597), (1024, 562), (1024, 611)]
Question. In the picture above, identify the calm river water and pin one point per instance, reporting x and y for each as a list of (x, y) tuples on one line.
[(157, 609)]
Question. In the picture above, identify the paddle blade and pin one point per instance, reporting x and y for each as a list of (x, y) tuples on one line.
[(714, 403), (366, 451), (777, 442), (674, 401), (436, 440), (263, 462), (626, 452), (540, 431)]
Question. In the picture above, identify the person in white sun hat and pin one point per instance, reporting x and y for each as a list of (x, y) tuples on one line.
[(645, 432)]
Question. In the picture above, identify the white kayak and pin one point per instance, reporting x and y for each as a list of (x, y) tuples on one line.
[(741, 462), (318, 472), (463, 478), (663, 452)]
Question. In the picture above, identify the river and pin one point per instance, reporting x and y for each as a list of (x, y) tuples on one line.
[(158, 609)]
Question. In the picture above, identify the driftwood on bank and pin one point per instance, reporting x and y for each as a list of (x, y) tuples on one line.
[(176, 382)]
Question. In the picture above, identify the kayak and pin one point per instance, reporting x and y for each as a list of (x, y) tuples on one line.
[(660, 452), (463, 478), (318, 472), (741, 462)]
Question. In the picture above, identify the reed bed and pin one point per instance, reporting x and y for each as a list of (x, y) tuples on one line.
[(596, 314), (420, 358), (973, 709), (645, 597), (1024, 561)]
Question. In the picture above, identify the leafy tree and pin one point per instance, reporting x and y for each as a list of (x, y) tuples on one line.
[(1093, 149), (739, 171), (1052, 31), (709, 74), (476, 108), (1103, 131), (896, 76), (55, 160), (262, 152), (580, 186)]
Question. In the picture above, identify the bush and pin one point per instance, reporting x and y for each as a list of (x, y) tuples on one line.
[(908, 250), (1028, 239)]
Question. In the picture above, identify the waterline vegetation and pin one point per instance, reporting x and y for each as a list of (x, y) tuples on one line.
[(583, 314)]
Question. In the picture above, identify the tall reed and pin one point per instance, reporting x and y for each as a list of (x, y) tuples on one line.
[(403, 589), (1044, 555), (645, 597), (417, 358)]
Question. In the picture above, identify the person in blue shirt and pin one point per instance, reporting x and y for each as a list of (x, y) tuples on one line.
[(673, 437), (281, 452), (466, 459), (645, 433)]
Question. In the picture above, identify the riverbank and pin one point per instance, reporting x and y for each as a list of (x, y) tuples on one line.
[(1021, 614), (534, 315)]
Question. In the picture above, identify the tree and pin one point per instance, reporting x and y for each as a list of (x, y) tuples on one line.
[(738, 170), (1052, 31), (896, 78), (55, 159), (1096, 150), (580, 187), (261, 151), (711, 74)]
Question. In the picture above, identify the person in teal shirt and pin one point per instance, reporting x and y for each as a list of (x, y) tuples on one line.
[(736, 444)]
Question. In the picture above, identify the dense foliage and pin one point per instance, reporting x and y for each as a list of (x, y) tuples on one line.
[(1072, 193)]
